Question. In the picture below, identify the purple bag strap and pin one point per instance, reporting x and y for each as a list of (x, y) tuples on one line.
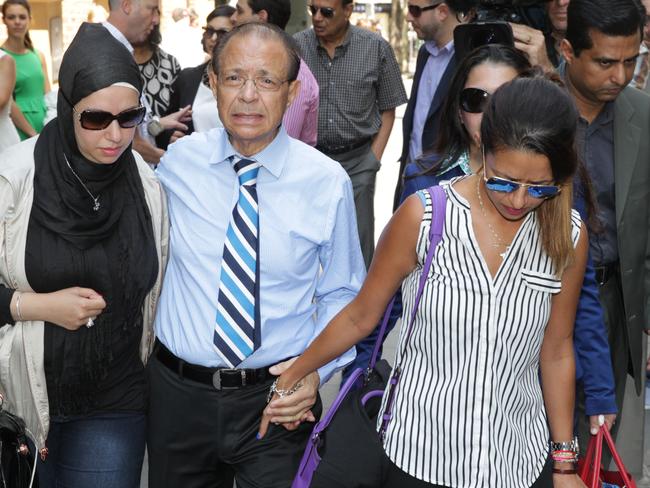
[(438, 200)]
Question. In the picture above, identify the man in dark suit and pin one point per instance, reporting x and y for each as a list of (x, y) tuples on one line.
[(434, 22), (600, 49)]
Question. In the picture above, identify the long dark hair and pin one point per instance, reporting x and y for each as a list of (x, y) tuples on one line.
[(536, 115), (23, 3), (453, 138)]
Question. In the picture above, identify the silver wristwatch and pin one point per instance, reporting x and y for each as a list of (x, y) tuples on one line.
[(154, 127)]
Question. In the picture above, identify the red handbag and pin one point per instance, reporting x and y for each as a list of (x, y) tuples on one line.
[(592, 473)]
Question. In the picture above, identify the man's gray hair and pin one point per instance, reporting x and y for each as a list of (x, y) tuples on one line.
[(265, 31)]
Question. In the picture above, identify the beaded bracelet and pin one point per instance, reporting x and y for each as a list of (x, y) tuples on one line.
[(564, 456), (280, 392)]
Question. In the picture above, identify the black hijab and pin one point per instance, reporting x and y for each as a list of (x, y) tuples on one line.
[(110, 250), (94, 60)]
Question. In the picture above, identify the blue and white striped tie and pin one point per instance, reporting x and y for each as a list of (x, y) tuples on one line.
[(234, 333)]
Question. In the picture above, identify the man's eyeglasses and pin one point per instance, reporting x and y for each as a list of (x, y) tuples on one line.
[(262, 83), (416, 10), (327, 12), (474, 100), (209, 32), (100, 119), (502, 185)]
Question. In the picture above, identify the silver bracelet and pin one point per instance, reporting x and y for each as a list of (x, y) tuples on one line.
[(19, 315), (566, 446), (280, 392)]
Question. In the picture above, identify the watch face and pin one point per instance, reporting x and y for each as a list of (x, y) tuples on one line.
[(154, 128)]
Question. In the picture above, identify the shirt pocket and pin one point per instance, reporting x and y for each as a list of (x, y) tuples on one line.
[(536, 280)]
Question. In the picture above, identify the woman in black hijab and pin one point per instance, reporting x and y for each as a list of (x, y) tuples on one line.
[(84, 248)]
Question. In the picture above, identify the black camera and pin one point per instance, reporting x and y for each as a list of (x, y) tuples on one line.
[(490, 24)]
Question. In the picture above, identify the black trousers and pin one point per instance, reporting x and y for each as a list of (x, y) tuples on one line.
[(199, 437)]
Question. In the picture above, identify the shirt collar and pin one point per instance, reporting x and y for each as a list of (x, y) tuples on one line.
[(117, 34), (272, 157), (434, 50)]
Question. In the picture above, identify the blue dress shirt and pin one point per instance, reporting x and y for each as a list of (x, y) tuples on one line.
[(431, 74), (592, 355), (310, 263)]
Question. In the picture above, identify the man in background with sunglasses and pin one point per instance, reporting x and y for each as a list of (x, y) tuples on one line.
[(601, 48), (434, 23), (301, 118), (360, 87)]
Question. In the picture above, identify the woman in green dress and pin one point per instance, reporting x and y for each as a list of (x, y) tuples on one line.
[(32, 83)]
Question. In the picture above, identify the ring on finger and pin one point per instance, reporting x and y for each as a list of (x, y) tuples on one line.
[(90, 322)]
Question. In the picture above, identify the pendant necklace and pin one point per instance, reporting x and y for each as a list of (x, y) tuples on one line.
[(497, 241), (96, 205)]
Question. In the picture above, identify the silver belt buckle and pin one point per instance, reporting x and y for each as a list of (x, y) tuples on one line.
[(216, 380)]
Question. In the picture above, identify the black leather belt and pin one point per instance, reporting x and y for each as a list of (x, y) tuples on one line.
[(344, 148), (605, 273), (220, 378)]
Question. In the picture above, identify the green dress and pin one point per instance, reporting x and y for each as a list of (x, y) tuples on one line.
[(29, 92)]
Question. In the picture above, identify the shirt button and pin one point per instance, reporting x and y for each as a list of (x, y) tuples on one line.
[(330, 121)]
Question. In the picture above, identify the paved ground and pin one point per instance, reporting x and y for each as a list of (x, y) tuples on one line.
[(383, 209)]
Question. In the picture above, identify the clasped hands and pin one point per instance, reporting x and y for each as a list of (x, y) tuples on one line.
[(291, 410)]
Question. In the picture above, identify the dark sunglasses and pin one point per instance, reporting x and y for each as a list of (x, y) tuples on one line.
[(474, 100), (100, 119), (327, 12), (503, 185), (209, 32), (416, 10)]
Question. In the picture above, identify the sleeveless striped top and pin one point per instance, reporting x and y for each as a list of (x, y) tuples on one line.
[(469, 410)]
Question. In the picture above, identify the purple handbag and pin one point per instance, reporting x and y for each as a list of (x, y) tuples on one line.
[(351, 420)]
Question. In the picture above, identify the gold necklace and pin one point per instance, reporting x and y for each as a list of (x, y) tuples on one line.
[(497, 240)]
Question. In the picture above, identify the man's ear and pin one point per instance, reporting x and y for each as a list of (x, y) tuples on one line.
[(567, 51), (213, 79), (294, 89), (126, 6), (263, 16)]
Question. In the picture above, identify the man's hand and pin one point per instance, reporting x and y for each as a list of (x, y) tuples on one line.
[(291, 410), (533, 44), (175, 120), (149, 153), (176, 135), (595, 421)]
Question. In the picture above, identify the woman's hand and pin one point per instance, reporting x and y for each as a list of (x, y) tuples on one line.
[(69, 308), (567, 481)]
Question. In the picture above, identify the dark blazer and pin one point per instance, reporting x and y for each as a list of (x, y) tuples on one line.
[(183, 92), (632, 201), (430, 132)]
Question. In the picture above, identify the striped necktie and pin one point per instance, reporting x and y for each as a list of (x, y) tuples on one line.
[(234, 333)]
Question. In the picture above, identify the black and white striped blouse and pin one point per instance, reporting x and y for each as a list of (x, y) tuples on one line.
[(469, 410)]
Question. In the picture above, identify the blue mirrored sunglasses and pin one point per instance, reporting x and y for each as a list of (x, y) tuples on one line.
[(506, 186)]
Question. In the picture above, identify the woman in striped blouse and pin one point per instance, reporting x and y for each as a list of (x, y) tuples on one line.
[(498, 307)]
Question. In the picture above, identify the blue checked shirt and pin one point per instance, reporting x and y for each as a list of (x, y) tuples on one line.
[(310, 259)]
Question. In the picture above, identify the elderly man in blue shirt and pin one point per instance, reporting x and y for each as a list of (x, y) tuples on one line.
[(264, 252)]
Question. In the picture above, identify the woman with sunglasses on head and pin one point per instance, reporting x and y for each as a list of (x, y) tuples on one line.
[(32, 83), (498, 306), (192, 87), (84, 246)]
